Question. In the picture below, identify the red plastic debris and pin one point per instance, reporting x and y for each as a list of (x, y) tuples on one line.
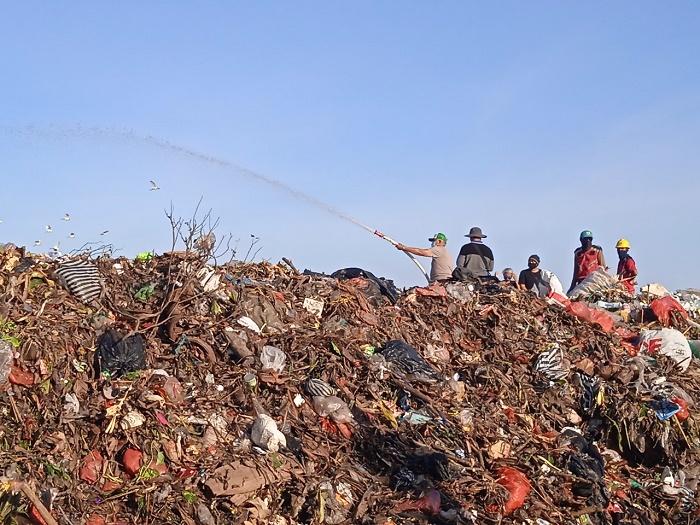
[(132, 461), (683, 413), (663, 307), (35, 515), (111, 486), (21, 377), (161, 468), (428, 504), (91, 466), (186, 472), (629, 348), (626, 333), (592, 315), (518, 486)]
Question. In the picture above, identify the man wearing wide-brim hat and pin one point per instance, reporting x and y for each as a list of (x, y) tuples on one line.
[(475, 259)]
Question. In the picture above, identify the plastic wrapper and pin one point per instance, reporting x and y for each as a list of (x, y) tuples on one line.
[(273, 358), (333, 407), (266, 435), (173, 391)]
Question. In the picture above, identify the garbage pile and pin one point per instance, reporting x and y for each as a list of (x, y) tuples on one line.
[(166, 390)]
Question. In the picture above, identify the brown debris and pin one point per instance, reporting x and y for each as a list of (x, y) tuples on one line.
[(504, 437)]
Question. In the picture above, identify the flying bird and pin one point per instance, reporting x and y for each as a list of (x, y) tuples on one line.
[(56, 246), (49, 228), (37, 243), (71, 235), (66, 217), (0, 221), (154, 186), (104, 232)]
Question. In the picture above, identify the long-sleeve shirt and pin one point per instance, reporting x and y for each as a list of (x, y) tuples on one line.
[(477, 258)]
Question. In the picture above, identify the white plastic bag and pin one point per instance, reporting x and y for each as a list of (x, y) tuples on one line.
[(552, 282), (248, 323), (266, 435), (272, 357), (669, 342), (598, 281)]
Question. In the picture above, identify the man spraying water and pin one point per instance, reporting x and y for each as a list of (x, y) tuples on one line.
[(441, 266)]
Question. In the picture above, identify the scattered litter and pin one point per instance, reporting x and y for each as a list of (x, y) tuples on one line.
[(190, 393)]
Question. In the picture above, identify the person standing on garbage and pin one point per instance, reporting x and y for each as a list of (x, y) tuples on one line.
[(441, 267), (475, 259), (587, 258), (626, 267), (530, 279)]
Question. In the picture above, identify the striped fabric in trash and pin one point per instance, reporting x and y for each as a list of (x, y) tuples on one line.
[(81, 278), (551, 363)]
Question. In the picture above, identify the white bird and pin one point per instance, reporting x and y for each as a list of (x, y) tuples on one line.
[(49, 228), (154, 186), (0, 221), (104, 232), (66, 217), (71, 235), (56, 246), (37, 243)]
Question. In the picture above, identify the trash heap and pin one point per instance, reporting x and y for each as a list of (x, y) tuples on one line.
[(166, 390)]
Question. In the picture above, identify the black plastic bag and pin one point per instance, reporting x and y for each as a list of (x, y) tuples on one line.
[(386, 286), (120, 355), (406, 359)]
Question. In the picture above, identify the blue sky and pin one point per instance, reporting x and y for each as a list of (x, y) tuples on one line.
[(533, 120)]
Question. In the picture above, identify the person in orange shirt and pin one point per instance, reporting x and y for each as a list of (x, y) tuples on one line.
[(626, 267), (587, 258)]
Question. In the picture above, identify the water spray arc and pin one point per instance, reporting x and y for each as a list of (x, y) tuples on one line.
[(128, 135)]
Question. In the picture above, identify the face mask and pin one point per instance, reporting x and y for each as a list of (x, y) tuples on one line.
[(532, 265), (622, 253)]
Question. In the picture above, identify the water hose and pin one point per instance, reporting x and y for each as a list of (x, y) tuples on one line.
[(392, 241)]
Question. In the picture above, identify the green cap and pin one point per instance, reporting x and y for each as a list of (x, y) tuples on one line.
[(438, 237), (586, 234)]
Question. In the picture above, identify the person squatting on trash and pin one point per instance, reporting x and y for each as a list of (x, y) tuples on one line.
[(626, 267), (587, 258), (509, 278), (475, 259), (531, 280), (441, 266)]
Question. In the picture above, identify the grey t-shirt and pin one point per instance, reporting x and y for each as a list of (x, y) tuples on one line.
[(441, 267)]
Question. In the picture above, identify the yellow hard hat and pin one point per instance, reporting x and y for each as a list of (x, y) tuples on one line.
[(623, 243)]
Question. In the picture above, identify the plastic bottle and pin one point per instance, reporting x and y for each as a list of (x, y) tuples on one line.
[(608, 306)]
